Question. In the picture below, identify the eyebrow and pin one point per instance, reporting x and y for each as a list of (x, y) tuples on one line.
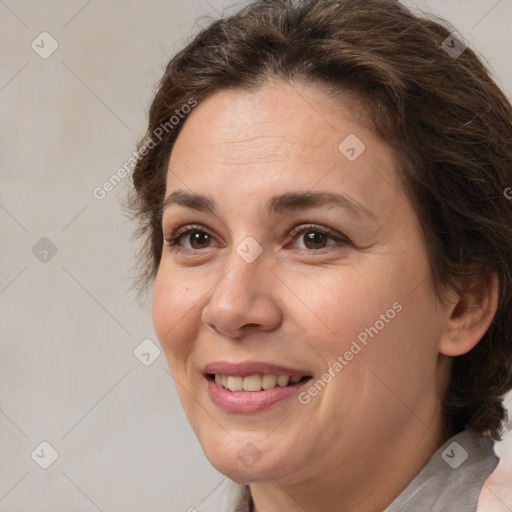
[(279, 204)]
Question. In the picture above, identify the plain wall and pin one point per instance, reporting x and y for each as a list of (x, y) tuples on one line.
[(69, 322)]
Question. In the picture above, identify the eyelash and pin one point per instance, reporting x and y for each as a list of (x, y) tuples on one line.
[(172, 240)]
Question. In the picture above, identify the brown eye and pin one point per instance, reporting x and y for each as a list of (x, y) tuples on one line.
[(199, 239), (315, 240), (196, 238)]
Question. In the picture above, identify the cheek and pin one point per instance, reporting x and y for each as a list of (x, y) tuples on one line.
[(172, 312), (371, 305), (342, 304), (387, 340)]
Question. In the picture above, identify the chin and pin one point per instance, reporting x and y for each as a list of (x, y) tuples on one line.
[(246, 458)]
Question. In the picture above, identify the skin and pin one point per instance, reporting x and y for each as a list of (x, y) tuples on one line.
[(358, 443)]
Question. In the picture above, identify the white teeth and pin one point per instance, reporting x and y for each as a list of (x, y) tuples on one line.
[(235, 383), (255, 382), (269, 381), (252, 383), (283, 380)]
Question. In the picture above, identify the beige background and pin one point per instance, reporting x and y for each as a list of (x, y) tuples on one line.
[(69, 326)]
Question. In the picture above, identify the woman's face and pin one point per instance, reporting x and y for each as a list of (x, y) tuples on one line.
[(305, 262)]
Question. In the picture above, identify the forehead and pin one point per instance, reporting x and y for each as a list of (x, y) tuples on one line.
[(277, 116), (279, 138)]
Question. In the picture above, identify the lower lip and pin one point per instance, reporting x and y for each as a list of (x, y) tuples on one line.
[(250, 401)]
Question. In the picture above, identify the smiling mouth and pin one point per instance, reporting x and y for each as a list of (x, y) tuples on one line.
[(256, 382)]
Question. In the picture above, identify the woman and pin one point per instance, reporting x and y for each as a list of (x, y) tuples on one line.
[(322, 190)]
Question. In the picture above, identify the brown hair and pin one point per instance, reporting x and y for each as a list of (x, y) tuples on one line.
[(447, 122)]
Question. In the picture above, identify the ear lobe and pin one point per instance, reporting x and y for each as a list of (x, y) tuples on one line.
[(471, 316)]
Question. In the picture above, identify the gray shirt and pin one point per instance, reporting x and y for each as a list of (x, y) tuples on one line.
[(451, 481)]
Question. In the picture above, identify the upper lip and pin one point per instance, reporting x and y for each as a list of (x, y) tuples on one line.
[(246, 368)]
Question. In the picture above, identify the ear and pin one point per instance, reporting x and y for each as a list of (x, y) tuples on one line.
[(470, 316)]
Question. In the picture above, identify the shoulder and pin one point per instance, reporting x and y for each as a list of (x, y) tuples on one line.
[(453, 477)]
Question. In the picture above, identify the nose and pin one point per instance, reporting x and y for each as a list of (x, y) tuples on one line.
[(243, 301)]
